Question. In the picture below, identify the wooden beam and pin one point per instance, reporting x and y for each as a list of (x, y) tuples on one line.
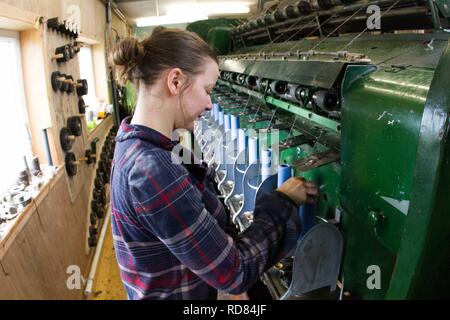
[(12, 18)]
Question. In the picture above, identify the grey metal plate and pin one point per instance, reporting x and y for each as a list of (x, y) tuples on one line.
[(321, 74), (317, 261)]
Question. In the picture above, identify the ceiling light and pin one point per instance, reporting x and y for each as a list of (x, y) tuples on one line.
[(210, 9), (194, 12), (170, 19)]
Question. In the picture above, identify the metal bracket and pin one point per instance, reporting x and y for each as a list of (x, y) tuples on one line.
[(294, 142), (259, 119), (316, 160), (398, 67)]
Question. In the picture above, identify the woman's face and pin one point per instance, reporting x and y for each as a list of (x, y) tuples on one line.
[(196, 99)]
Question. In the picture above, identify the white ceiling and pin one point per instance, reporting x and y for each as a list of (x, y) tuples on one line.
[(134, 9)]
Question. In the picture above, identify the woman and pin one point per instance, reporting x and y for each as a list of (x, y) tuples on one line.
[(167, 222)]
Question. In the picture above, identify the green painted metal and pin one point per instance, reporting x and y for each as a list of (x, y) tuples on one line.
[(444, 7), (144, 32), (203, 27), (388, 49), (423, 262), (391, 185), (327, 178), (291, 107), (219, 39), (376, 168), (314, 73), (305, 113), (381, 118)]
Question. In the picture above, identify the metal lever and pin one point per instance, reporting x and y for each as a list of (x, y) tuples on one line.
[(316, 160), (293, 142)]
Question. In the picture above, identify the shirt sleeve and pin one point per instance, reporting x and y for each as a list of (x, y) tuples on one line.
[(170, 207)]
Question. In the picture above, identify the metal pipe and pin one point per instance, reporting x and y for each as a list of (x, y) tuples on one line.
[(434, 14), (47, 147), (118, 12), (98, 251)]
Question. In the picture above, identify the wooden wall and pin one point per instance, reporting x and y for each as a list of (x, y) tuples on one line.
[(51, 234), (122, 29), (48, 237), (35, 265), (93, 13)]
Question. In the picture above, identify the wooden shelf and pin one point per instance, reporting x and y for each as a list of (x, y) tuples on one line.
[(16, 226), (12, 18)]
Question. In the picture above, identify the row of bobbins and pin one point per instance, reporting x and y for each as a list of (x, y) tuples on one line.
[(98, 202)]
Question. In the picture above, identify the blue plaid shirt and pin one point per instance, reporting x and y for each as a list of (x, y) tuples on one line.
[(169, 226)]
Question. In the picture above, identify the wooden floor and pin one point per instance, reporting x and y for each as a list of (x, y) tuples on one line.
[(108, 285)]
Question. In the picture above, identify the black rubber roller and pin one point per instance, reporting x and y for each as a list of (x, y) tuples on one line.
[(66, 139), (71, 166), (280, 15), (82, 87), (70, 86), (93, 219), (62, 54), (90, 156), (326, 100), (101, 212), (54, 23), (75, 126), (93, 232), (60, 81), (81, 106), (279, 87), (292, 11), (92, 242)]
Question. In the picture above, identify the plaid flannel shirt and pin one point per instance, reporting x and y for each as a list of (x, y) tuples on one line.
[(168, 225)]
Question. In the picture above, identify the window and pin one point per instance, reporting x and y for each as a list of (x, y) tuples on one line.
[(15, 140), (87, 72)]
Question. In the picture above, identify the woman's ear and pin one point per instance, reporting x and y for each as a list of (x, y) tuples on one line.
[(175, 80)]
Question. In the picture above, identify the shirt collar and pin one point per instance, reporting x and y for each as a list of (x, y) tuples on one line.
[(134, 131), (131, 131)]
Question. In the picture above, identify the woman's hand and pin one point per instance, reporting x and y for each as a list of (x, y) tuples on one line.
[(299, 190)]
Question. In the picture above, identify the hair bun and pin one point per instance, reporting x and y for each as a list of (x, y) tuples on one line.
[(128, 52)]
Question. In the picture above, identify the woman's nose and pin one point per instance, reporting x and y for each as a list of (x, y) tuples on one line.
[(209, 105)]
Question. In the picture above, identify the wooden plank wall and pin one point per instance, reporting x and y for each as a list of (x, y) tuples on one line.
[(33, 264), (53, 238), (64, 105), (120, 27), (93, 13)]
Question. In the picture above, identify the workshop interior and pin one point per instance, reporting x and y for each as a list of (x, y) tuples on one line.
[(353, 95)]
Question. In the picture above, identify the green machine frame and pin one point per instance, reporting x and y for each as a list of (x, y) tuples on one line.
[(390, 188)]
